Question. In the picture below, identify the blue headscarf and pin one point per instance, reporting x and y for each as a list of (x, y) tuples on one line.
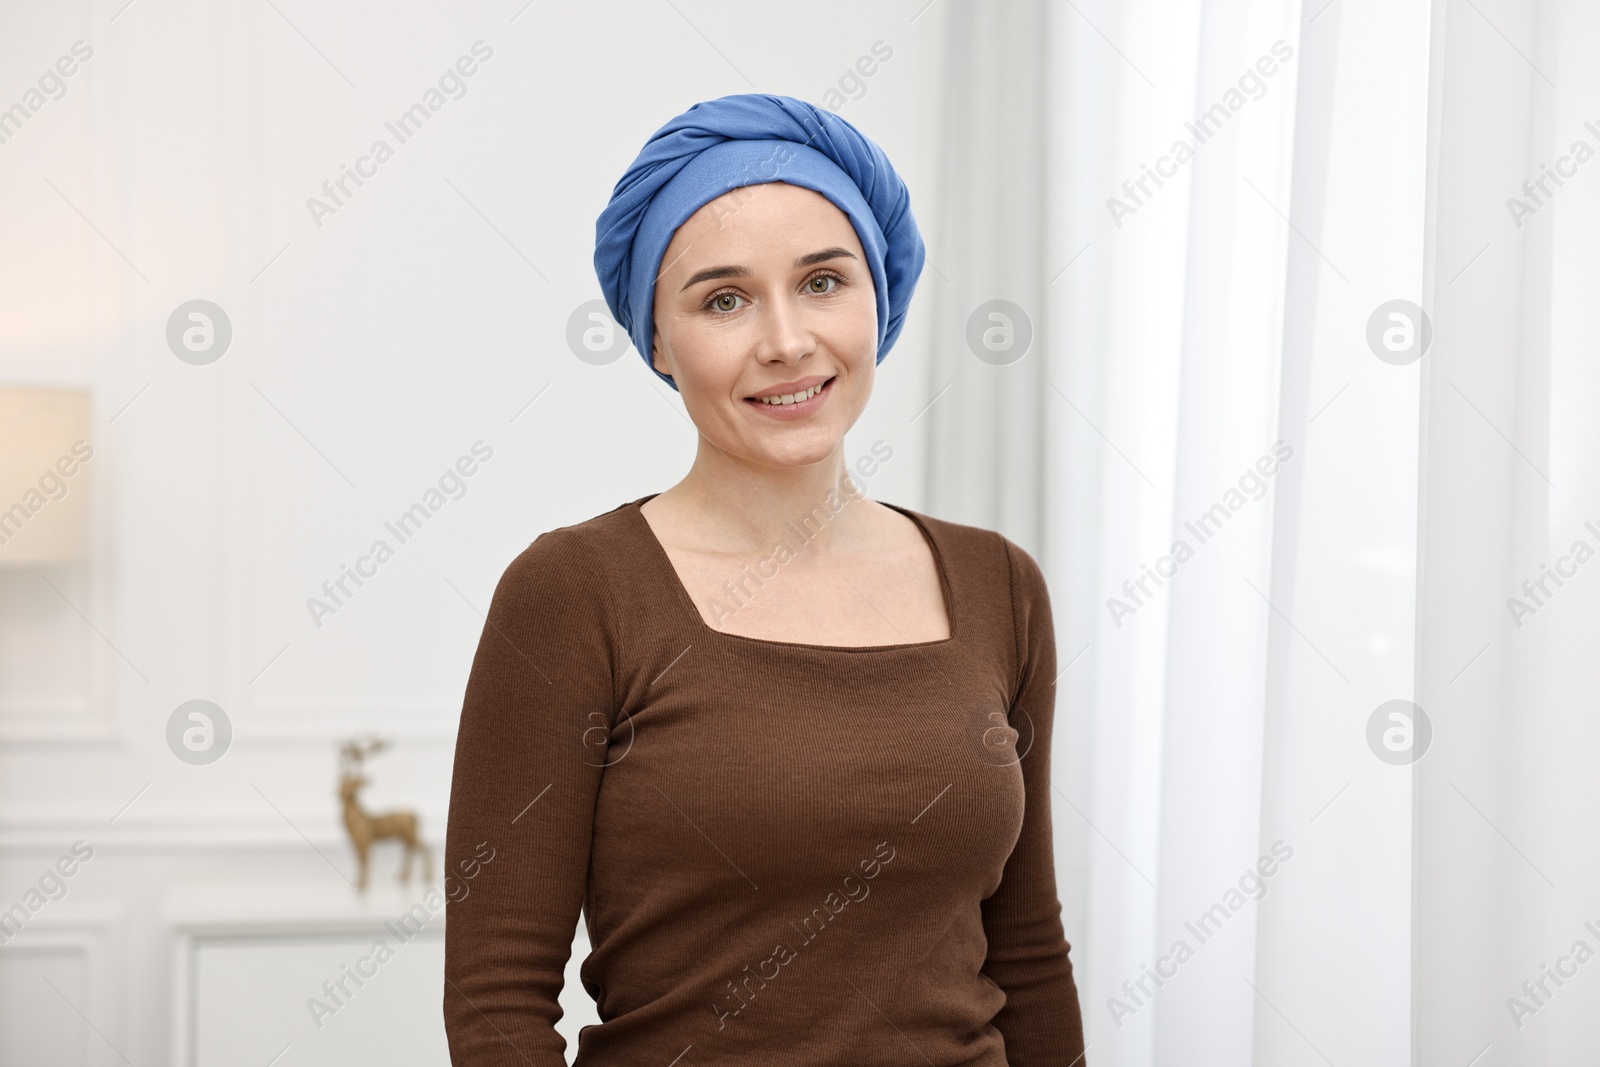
[(720, 145)]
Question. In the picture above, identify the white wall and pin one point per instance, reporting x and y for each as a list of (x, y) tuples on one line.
[(368, 354)]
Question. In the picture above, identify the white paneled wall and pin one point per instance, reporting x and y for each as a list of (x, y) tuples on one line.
[(422, 321)]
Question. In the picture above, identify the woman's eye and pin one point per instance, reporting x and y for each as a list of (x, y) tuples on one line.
[(822, 283), (725, 301)]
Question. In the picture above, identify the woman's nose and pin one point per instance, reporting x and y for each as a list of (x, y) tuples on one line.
[(785, 337)]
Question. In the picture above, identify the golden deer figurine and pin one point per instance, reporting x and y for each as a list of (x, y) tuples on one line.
[(365, 828)]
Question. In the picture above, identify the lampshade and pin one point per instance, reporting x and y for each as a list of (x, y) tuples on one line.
[(45, 456)]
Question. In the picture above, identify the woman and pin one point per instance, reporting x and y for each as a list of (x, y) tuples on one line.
[(787, 748)]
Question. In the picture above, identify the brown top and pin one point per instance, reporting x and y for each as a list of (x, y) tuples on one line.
[(787, 854)]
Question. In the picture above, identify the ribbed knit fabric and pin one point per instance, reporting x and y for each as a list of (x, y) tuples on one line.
[(787, 855)]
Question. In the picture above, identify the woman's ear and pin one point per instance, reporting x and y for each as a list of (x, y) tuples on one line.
[(656, 359)]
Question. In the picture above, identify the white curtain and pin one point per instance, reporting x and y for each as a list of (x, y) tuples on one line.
[(1507, 810), (1228, 485)]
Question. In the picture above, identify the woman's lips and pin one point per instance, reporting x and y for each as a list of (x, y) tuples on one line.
[(799, 409)]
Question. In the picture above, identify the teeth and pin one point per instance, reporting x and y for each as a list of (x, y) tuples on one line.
[(792, 398)]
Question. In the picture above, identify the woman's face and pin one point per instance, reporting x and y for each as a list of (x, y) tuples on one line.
[(765, 294)]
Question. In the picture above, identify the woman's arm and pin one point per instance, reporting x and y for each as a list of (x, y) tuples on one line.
[(1028, 952), (534, 725)]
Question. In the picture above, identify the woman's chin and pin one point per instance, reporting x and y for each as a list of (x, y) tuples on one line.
[(792, 450)]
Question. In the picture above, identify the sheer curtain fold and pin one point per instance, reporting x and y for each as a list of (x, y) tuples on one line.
[(1226, 493), (985, 417), (1507, 810)]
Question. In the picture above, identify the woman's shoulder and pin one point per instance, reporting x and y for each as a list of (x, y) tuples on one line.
[(980, 553), (586, 553)]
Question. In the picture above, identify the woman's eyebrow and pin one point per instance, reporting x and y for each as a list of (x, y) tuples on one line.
[(823, 256), (712, 274)]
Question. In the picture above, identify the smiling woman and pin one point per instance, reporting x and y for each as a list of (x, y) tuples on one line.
[(741, 311), (768, 306)]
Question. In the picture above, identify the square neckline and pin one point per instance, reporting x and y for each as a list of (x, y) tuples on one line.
[(686, 601)]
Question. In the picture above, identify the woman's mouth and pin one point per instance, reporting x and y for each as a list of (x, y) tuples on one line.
[(792, 400)]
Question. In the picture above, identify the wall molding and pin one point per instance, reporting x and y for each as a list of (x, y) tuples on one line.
[(92, 931), (248, 831), (289, 910)]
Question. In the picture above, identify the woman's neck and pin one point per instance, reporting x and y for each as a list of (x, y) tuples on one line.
[(724, 505)]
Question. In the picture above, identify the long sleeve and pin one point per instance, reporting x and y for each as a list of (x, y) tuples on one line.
[(528, 762), (1028, 955)]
